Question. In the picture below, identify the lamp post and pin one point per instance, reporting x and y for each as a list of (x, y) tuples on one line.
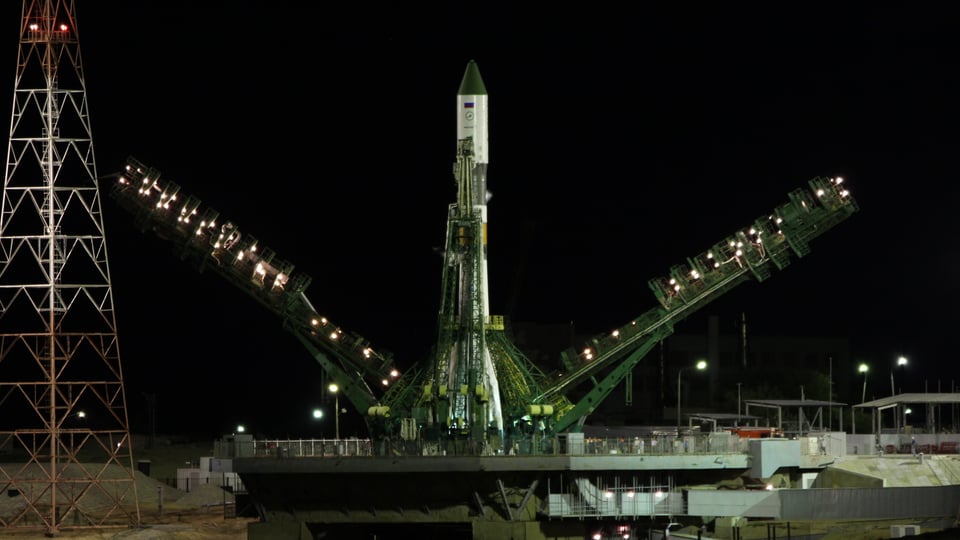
[(701, 365), (901, 363), (738, 402), (864, 369), (333, 388), (318, 415)]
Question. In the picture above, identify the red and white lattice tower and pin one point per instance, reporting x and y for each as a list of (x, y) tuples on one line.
[(65, 449)]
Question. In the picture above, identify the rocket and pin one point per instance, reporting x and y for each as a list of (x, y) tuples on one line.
[(469, 369)]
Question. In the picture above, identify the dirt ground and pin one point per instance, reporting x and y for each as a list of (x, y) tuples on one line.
[(185, 526), (195, 515)]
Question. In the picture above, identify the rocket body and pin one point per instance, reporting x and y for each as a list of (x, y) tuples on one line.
[(470, 364)]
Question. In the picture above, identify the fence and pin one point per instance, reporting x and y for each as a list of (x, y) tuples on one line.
[(704, 443)]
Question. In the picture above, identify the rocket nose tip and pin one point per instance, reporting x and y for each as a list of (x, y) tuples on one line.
[(472, 82)]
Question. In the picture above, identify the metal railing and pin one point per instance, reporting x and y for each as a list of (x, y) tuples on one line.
[(704, 443)]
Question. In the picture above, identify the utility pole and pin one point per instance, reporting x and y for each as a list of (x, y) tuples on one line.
[(739, 384), (830, 393)]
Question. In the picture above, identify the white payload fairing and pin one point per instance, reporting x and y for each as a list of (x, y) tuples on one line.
[(472, 116)]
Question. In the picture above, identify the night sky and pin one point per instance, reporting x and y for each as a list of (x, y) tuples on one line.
[(622, 141)]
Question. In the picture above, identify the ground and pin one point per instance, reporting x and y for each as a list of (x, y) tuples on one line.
[(197, 515), (210, 525)]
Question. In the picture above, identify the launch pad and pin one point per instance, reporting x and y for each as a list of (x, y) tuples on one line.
[(607, 489), (477, 437)]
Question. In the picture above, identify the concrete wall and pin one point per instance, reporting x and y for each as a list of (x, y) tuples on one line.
[(828, 504), (839, 478), (753, 504), (771, 454)]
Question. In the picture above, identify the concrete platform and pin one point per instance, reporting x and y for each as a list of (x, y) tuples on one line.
[(904, 470)]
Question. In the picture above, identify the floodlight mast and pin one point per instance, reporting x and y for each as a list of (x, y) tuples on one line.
[(60, 355)]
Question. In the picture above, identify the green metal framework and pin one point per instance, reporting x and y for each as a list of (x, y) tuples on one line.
[(363, 374), (463, 332), (369, 379), (746, 254)]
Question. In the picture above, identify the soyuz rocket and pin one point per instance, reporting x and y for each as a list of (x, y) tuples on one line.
[(469, 370)]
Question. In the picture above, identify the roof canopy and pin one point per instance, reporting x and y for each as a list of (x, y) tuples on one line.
[(926, 397)]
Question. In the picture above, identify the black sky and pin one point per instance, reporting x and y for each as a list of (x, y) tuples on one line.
[(623, 140)]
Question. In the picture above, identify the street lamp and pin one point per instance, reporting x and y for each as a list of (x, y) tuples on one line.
[(318, 416), (901, 363), (701, 365), (333, 388), (864, 369)]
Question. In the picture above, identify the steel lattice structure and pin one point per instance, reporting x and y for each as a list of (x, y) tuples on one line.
[(64, 434)]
